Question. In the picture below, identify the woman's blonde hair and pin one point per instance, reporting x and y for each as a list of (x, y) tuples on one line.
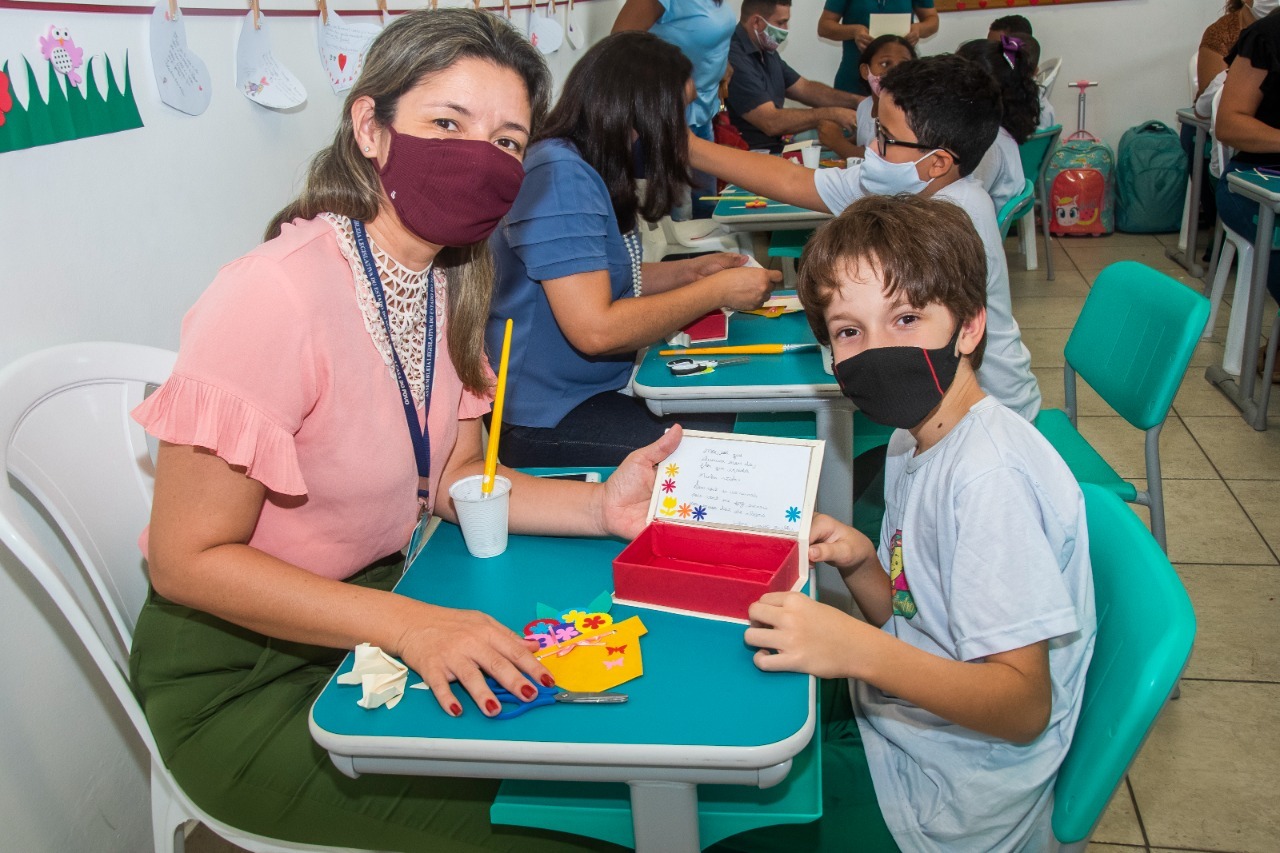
[(342, 180)]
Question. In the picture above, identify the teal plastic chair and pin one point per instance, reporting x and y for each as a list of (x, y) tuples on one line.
[(1131, 344), (1016, 208), (1146, 627), (789, 245), (1036, 152)]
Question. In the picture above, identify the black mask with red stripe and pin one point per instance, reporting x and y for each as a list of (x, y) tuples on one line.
[(899, 386)]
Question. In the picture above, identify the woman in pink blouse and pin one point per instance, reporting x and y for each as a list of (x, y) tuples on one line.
[(294, 462)]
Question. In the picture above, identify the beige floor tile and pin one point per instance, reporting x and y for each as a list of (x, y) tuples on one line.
[(1049, 312), (1206, 525), (1237, 622), (1066, 282), (1046, 346), (1238, 450), (1178, 850), (1258, 497), (1089, 260), (1115, 240), (1119, 824), (1123, 446), (1206, 778), (1207, 353), (1198, 397), (1052, 394)]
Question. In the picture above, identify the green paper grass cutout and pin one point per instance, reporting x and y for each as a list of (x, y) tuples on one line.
[(73, 114)]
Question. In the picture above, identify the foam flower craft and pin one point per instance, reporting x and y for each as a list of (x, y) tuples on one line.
[(599, 663)]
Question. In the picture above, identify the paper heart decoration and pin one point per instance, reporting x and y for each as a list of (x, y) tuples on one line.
[(342, 48), (182, 78)]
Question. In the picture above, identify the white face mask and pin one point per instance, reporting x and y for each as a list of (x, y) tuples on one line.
[(1262, 8), (880, 177), (771, 37)]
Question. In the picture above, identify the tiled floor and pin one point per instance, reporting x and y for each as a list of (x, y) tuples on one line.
[(1207, 778)]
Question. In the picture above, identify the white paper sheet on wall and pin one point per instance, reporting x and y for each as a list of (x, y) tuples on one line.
[(886, 24), (261, 77), (182, 78), (342, 49)]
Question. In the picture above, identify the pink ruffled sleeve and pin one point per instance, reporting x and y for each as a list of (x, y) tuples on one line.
[(245, 378), (477, 405)]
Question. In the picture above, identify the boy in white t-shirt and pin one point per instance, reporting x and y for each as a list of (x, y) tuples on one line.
[(968, 673), (937, 118)]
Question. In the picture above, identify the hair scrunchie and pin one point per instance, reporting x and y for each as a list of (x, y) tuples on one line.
[(1010, 45)]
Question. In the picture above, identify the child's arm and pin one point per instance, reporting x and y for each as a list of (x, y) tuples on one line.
[(1008, 695), (855, 556), (772, 177)]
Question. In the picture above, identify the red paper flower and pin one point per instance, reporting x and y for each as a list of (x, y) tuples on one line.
[(592, 622), (6, 100), (668, 486)]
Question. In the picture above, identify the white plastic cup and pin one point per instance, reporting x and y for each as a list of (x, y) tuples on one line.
[(483, 519), (811, 155)]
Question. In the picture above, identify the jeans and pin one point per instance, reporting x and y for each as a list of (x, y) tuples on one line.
[(1240, 214), (703, 184), (601, 431)]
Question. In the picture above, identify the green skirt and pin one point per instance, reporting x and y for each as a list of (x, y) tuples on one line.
[(229, 707)]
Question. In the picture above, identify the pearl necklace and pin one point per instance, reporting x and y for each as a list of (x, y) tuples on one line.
[(632, 241)]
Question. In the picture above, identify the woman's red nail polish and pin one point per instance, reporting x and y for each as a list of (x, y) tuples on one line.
[(491, 705), (455, 709), (548, 681), (528, 692)]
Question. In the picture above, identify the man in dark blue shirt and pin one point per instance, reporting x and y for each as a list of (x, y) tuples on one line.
[(762, 82)]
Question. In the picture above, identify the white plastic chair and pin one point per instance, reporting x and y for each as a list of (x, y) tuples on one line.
[(66, 437), (1048, 73), (1227, 244), (667, 237)]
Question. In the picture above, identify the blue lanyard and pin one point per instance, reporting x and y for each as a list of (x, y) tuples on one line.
[(420, 437)]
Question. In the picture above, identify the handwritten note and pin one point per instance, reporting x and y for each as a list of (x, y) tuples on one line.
[(261, 77), (342, 49), (737, 482), (182, 78)]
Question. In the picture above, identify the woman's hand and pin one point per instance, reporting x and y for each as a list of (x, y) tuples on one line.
[(794, 633), (705, 265), (624, 499), (445, 645), (746, 288)]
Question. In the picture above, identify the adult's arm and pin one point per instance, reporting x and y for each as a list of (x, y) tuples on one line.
[(776, 121), (1236, 124), (829, 27), (926, 23), (774, 177), (597, 324), (638, 15), (1209, 64), (833, 138), (814, 94), (202, 517)]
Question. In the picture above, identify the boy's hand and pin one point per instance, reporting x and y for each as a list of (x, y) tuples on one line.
[(794, 633), (838, 544)]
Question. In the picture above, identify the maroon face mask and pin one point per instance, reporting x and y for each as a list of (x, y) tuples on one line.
[(451, 192)]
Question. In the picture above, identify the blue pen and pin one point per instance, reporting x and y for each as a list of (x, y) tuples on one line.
[(513, 706)]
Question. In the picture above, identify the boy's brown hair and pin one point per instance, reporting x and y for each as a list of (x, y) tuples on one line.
[(926, 251)]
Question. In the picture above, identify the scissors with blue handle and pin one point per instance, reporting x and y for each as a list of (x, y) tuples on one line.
[(513, 706)]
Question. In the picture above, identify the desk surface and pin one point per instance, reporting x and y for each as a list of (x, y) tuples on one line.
[(700, 702), (1262, 188), (1188, 116), (791, 374), (734, 214)]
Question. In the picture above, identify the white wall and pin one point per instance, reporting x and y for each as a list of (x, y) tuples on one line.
[(113, 237)]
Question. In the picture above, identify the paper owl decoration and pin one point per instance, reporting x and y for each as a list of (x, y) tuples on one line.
[(58, 48)]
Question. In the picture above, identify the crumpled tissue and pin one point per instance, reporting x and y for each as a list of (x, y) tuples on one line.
[(381, 677)]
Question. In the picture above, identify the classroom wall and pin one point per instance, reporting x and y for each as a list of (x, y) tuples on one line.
[(112, 238)]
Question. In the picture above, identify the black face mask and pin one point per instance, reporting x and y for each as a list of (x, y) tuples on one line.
[(899, 386)]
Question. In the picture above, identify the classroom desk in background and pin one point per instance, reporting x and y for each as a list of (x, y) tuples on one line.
[(702, 713), (1186, 253), (788, 382), (734, 214), (1250, 400)]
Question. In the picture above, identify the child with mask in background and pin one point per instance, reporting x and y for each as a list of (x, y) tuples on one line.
[(882, 54), (965, 680), (938, 116)]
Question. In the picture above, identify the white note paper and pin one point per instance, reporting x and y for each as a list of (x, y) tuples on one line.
[(182, 78), (342, 49), (261, 77), (889, 24)]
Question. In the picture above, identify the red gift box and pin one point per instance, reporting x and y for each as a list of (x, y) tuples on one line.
[(727, 526)]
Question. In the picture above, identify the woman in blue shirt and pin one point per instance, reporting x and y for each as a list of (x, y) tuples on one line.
[(702, 30), (849, 21), (569, 268)]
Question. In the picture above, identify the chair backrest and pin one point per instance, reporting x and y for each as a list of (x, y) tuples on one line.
[(1146, 626), (1015, 207), (1037, 150), (1134, 338), (1048, 73), (66, 437)]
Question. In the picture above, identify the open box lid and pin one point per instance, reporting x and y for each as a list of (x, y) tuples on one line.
[(761, 484)]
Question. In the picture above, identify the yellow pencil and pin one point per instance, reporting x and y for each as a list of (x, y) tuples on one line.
[(743, 349), (495, 425), (730, 196)]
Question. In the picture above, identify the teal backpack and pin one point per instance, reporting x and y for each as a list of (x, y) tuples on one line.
[(1151, 179)]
